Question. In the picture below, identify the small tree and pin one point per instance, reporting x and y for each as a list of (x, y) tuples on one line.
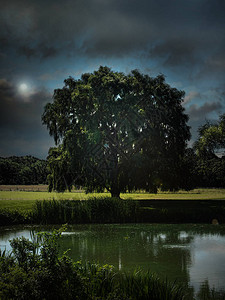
[(121, 132), (211, 138), (210, 166)]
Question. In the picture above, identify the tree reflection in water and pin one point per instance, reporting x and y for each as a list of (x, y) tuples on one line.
[(207, 293), (185, 253), (168, 250)]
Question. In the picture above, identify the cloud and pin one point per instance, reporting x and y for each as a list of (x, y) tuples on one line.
[(190, 96), (214, 65), (4, 84), (201, 112), (6, 91), (179, 51), (176, 30), (21, 130), (46, 41), (53, 75), (40, 50)]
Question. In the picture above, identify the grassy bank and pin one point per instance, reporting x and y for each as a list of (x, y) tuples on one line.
[(25, 205), (113, 210), (94, 210), (24, 197)]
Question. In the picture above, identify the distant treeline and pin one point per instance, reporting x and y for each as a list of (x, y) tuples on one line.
[(23, 170), (195, 172)]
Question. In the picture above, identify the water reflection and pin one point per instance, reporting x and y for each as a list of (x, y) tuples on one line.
[(191, 254), (208, 258)]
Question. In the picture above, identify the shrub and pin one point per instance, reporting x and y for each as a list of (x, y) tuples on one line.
[(35, 271)]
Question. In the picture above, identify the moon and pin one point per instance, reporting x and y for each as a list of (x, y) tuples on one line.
[(23, 87)]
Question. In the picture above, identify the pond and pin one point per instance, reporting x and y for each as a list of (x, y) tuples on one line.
[(190, 254)]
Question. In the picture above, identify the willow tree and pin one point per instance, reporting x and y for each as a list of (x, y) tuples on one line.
[(120, 132)]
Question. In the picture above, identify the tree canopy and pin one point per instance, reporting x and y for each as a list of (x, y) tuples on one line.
[(210, 161), (117, 132), (211, 138)]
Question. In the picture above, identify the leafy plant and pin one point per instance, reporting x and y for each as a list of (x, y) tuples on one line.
[(33, 274)]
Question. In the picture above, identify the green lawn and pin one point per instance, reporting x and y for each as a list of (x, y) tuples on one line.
[(24, 199)]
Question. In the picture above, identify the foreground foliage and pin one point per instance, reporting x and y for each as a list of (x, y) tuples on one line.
[(29, 274), (34, 270)]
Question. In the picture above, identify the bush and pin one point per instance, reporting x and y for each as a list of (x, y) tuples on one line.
[(35, 271)]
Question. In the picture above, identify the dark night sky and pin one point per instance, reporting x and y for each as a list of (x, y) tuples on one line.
[(44, 42)]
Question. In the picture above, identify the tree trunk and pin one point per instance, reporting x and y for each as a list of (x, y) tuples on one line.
[(115, 190), (115, 193)]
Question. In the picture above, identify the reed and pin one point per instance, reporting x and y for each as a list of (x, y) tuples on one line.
[(113, 210), (93, 210), (144, 285), (105, 283)]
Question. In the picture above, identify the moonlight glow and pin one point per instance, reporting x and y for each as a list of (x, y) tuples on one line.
[(23, 87)]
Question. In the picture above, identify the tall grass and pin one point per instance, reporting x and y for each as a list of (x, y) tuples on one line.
[(105, 283), (144, 285), (94, 210), (114, 210)]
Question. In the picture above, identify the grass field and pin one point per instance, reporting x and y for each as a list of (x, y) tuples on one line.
[(23, 197)]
